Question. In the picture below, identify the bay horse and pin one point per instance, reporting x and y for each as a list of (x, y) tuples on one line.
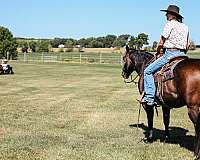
[(182, 90)]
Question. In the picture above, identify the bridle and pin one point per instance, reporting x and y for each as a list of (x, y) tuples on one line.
[(132, 80)]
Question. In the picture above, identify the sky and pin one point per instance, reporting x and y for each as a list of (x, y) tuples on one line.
[(94, 18)]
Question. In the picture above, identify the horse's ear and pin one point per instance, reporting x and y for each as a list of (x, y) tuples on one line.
[(127, 49)]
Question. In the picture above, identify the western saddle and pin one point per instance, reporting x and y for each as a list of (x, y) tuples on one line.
[(165, 74)]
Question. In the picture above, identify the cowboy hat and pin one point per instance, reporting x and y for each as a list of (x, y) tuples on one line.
[(5, 60), (172, 9)]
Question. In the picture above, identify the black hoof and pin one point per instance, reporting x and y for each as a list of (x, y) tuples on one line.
[(166, 139), (148, 140)]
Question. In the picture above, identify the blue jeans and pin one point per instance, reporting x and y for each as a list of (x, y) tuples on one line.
[(149, 85)]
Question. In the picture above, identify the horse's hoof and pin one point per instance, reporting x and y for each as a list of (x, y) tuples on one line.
[(149, 140), (166, 139)]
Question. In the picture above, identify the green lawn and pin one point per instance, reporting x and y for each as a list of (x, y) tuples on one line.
[(81, 112)]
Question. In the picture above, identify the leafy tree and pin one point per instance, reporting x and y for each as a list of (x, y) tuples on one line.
[(57, 41), (7, 43), (96, 44), (121, 40), (108, 41), (133, 42), (141, 40), (124, 36), (119, 43), (154, 46), (100, 39), (43, 46), (33, 45), (88, 40), (69, 43), (82, 42)]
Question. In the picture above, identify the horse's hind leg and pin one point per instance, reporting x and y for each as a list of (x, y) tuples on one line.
[(150, 113), (197, 140), (193, 112), (166, 117)]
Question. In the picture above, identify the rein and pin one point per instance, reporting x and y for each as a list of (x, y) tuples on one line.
[(132, 79), (138, 75), (151, 60)]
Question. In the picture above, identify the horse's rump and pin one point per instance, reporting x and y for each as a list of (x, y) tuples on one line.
[(187, 78)]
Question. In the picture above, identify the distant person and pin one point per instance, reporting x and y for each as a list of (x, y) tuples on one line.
[(174, 42), (7, 69)]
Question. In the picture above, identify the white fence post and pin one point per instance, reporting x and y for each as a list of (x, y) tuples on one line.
[(24, 56), (42, 57), (61, 57), (121, 61), (100, 61), (7, 55), (80, 57)]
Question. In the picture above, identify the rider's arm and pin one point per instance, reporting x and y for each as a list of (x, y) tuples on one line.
[(188, 42), (162, 41), (160, 47)]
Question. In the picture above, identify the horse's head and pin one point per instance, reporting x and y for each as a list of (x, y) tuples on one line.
[(135, 60), (129, 63)]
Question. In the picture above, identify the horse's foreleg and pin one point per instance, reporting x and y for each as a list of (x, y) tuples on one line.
[(166, 117), (150, 113)]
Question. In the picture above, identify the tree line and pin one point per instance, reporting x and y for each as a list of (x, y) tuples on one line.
[(44, 45), (9, 44)]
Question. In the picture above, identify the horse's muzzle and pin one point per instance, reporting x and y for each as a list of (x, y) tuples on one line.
[(124, 75)]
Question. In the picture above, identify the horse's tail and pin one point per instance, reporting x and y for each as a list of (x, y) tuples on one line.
[(197, 137)]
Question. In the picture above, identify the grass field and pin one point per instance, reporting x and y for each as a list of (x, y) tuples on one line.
[(81, 112)]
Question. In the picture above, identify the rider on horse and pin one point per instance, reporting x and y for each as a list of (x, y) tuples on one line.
[(7, 69), (174, 42)]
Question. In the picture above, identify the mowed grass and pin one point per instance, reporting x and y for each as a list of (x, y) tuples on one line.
[(81, 112)]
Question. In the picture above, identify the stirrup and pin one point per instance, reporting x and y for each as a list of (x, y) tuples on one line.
[(141, 101), (141, 98)]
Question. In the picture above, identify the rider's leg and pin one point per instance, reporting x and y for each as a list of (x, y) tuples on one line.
[(149, 86), (10, 70)]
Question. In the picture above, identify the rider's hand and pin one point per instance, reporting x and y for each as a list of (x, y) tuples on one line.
[(159, 52)]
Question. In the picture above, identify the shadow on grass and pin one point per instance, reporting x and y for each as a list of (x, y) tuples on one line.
[(177, 136)]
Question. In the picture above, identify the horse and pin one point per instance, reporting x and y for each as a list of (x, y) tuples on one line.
[(8, 71), (182, 90), (1, 69)]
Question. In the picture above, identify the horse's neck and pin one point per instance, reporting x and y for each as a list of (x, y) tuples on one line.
[(141, 63)]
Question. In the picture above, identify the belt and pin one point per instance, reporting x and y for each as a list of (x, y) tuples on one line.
[(175, 49)]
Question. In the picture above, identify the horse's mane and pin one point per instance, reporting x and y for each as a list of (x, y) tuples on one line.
[(141, 55)]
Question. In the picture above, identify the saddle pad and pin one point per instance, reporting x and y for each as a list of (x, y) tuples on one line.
[(167, 75)]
